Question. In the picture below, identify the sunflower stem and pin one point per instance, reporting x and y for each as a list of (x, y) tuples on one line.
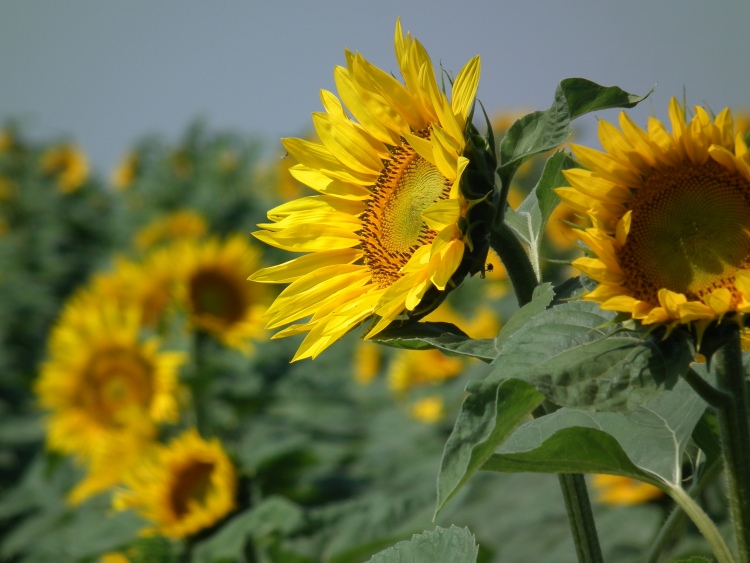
[(703, 523), (735, 438), (516, 262), (573, 486), (581, 517), (677, 516)]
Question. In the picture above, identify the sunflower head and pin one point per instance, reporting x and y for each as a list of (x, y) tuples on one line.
[(126, 171), (670, 215), (68, 164), (102, 380), (181, 488), (395, 226), (213, 288), (616, 490)]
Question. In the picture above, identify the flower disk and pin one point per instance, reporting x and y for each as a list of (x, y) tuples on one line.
[(670, 216), (213, 288), (390, 223)]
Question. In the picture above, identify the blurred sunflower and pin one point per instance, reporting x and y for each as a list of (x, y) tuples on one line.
[(102, 382), (618, 490), (213, 288), (147, 285), (68, 164), (183, 224), (182, 488), (126, 171), (410, 369), (670, 216), (428, 409), (391, 221)]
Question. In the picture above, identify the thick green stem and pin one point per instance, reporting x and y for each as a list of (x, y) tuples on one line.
[(677, 516), (581, 517), (516, 262), (575, 493), (703, 523), (735, 438)]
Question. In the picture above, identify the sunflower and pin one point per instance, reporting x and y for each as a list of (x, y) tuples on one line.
[(428, 409), (411, 369), (101, 381), (147, 284), (391, 221), (126, 171), (183, 224), (181, 488), (617, 490), (670, 216), (69, 165), (213, 288)]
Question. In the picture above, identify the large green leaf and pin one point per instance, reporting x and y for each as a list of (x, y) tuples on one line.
[(574, 355), (489, 414), (454, 544), (530, 219), (542, 131), (645, 444)]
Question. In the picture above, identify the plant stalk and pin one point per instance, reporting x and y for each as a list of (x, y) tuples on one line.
[(735, 438), (703, 523), (573, 486), (581, 517), (678, 515)]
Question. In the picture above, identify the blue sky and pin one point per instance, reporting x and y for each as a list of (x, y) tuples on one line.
[(108, 73)]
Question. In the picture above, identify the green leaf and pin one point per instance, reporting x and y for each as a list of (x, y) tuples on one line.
[(530, 219), (573, 356), (489, 414), (540, 300), (454, 544), (645, 444), (443, 336), (542, 131), (275, 515)]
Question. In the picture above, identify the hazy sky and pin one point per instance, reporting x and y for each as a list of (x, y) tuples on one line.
[(108, 73)]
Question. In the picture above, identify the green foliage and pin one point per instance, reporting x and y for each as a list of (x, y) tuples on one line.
[(454, 544), (542, 131), (530, 219)]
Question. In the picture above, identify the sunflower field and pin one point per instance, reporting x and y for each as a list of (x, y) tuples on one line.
[(425, 330)]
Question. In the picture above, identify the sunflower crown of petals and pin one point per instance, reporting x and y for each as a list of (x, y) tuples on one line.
[(388, 228), (182, 487), (670, 241)]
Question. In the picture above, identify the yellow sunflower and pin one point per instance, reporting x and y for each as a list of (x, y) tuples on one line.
[(670, 216), (126, 171), (390, 223), (183, 224), (182, 488), (428, 409), (68, 163), (618, 490), (410, 369), (214, 290), (101, 381), (147, 285)]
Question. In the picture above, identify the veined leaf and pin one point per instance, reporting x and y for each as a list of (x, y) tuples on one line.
[(489, 414), (646, 444), (573, 356), (453, 544), (530, 219)]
